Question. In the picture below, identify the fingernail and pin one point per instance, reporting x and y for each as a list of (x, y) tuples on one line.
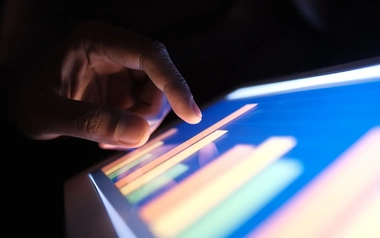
[(196, 108), (131, 130)]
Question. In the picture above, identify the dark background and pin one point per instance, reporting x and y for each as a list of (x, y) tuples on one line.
[(216, 45)]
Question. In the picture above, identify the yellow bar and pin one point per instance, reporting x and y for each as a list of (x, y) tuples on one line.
[(178, 218), (146, 177), (325, 200), (135, 154), (130, 177)]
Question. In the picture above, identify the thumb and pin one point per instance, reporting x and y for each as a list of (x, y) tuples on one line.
[(97, 123)]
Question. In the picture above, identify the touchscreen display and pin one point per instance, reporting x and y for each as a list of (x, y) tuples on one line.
[(292, 159)]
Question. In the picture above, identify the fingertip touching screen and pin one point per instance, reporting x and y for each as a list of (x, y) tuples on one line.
[(299, 158)]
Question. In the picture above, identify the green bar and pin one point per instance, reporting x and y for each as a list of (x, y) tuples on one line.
[(157, 183), (246, 202), (128, 166)]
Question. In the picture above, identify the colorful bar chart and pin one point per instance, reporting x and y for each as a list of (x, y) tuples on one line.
[(178, 158), (144, 159), (218, 189), (159, 182), (119, 172), (246, 202), (214, 191), (136, 154), (196, 181), (318, 209), (187, 144), (298, 165)]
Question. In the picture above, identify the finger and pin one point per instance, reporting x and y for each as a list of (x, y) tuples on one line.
[(161, 70), (96, 123), (120, 90), (112, 147), (150, 102), (144, 98), (137, 52)]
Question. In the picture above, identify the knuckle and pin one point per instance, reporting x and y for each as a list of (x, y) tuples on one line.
[(90, 122), (156, 51), (179, 87), (178, 83)]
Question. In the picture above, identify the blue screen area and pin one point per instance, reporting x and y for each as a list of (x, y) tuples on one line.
[(323, 122)]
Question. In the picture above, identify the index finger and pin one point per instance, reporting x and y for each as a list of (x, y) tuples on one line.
[(138, 52), (162, 71)]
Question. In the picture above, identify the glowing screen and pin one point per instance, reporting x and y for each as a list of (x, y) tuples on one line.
[(293, 163)]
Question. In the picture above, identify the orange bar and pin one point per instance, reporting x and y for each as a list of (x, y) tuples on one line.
[(323, 201), (195, 181), (135, 154), (184, 145)]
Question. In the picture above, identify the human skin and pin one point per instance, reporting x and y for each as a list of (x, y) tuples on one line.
[(102, 83)]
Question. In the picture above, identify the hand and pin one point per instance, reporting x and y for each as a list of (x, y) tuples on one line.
[(101, 84)]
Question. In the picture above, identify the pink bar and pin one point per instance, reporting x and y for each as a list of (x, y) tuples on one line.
[(132, 176), (323, 201)]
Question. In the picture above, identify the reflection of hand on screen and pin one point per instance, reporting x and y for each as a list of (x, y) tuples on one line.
[(207, 154)]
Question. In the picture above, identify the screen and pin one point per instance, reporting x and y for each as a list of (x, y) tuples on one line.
[(299, 158)]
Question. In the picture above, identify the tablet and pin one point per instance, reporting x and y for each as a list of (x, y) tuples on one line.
[(297, 157)]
